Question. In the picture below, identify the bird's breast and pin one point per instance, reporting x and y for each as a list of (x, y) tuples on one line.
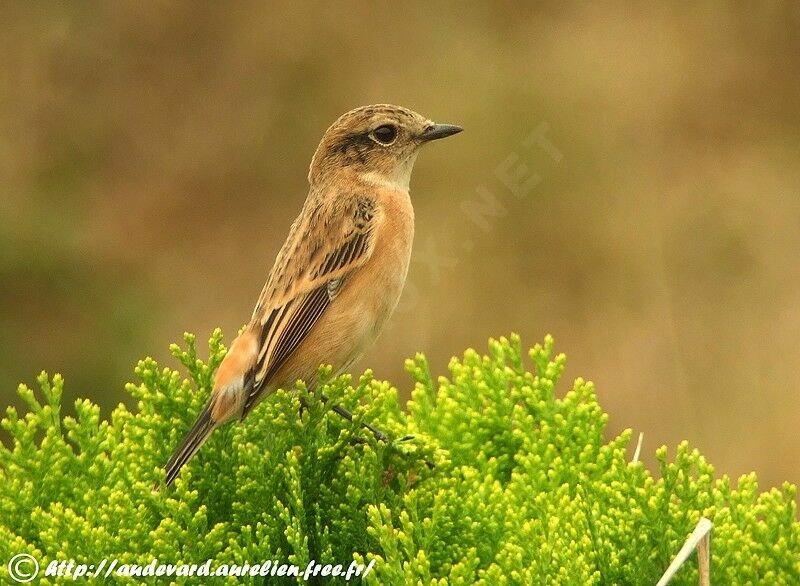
[(368, 297), (392, 254), (371, 293)]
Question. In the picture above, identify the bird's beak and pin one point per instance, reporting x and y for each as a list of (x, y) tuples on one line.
[(438, 131)]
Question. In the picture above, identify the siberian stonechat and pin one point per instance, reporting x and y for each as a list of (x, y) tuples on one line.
[(338, 276)]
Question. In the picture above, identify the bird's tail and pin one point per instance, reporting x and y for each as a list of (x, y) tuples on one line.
[(199, 433)]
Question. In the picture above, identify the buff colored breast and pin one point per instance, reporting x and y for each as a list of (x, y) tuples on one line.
[(368, 298)]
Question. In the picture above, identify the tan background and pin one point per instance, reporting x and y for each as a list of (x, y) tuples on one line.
[(152, 158)]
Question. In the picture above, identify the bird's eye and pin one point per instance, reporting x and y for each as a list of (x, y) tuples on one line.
[(385, 134)]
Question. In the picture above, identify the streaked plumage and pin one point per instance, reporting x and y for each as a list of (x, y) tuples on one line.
[(338, 276)]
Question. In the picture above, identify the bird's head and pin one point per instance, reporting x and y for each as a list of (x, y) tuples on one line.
[(379, 143)]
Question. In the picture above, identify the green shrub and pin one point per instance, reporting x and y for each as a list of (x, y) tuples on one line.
[(525, 488)]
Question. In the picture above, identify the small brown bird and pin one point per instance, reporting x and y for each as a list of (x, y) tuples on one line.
[(338, 276)]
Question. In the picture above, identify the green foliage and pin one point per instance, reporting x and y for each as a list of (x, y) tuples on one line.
[(525, 490)]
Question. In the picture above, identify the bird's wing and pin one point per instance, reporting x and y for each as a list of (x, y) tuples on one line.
[(325, 245)]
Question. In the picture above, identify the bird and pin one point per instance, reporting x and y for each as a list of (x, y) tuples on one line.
[(339, 274)]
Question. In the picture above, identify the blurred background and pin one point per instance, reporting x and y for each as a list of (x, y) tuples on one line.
[(628, 181)]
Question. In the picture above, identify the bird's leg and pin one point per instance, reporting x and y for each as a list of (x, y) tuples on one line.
[(342, 412), (303, 406), (379, 435)]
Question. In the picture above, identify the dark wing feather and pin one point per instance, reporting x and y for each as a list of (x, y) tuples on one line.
[(305, 280)]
